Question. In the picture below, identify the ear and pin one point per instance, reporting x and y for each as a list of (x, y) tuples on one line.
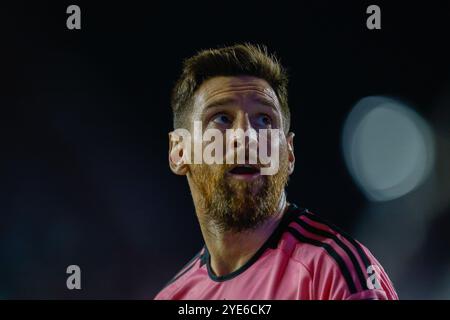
[(177, 161), (291, 155)]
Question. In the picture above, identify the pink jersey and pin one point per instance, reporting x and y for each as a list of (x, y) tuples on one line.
[(304, 258)]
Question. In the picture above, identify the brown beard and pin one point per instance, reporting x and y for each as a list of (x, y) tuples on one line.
[(235, 205)]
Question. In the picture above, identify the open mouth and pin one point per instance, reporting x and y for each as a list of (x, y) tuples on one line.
[(245, 172)]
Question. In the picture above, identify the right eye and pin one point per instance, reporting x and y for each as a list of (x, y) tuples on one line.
[(222, 119)]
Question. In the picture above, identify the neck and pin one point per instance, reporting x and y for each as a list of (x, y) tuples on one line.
[(231, 250)]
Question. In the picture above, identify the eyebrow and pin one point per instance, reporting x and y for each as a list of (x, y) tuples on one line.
[(225, 101), (220, 103), (266, 102)]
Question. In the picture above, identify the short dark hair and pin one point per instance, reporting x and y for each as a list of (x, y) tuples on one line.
[(240, 59)]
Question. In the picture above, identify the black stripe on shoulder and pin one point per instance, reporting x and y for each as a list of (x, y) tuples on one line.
[(350, 239), (331, 252), (188, 266), (342, 245)]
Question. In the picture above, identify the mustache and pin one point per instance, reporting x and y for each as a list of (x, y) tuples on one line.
[(221, 170), (228, 167)]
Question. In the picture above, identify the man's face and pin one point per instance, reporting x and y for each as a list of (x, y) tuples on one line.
[(237, 197)]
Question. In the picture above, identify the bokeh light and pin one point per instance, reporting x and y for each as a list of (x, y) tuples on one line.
[(388, 148)]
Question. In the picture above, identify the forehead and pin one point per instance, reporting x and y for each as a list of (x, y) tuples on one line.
[(238, 87)]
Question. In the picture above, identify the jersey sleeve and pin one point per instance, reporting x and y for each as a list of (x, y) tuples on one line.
[(330, 283), (379, 286)]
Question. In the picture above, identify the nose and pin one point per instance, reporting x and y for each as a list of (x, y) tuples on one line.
[(242, 122), (248, 141)]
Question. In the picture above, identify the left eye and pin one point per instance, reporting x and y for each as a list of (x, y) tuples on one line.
[(263, 120)]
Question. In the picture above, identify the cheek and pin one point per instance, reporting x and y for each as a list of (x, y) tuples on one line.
[(283, 154), (277, 143), (207, 173)]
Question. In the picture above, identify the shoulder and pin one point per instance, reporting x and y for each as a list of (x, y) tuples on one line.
[(341, 267), (171, 287)]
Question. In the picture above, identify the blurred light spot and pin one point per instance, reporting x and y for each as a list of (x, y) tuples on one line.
[(388, 148)]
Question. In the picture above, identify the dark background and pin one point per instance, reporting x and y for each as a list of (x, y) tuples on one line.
[(85, 117)]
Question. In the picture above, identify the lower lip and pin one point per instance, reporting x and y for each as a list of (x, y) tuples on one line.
[(244, 177)]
